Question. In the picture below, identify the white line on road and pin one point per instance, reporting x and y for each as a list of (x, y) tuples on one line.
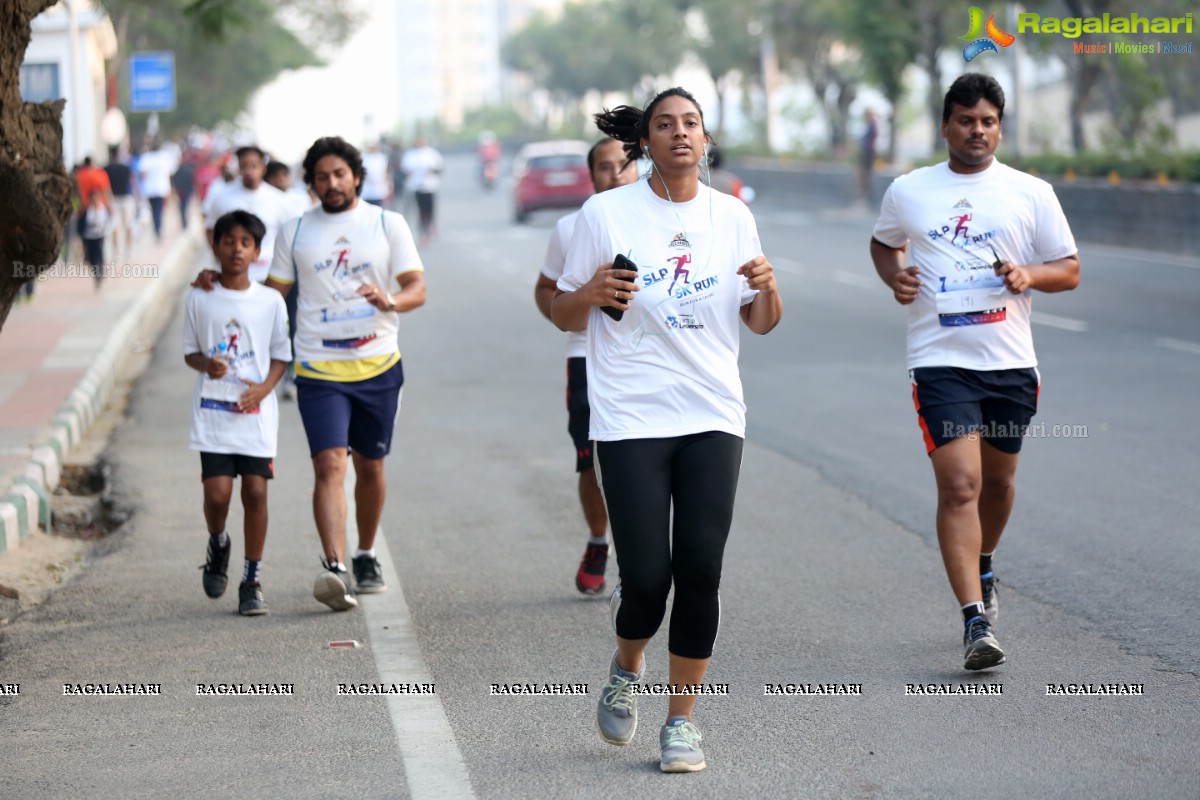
[(1062, 323), (433, 765), (787, 265), (1145, 257), (1179, 345), (854, 279)]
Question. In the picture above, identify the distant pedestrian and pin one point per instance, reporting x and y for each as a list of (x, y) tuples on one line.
[(866, 163), (423, 168), (235, 335), (184, 184), (155, 167), (96, 218), (124, 207), (377, 181)]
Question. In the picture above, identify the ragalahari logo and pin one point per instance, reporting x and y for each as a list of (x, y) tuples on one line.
[(995, 36)]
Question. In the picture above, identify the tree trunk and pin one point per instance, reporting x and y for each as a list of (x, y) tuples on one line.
[(894, 102), (35, 191), (937, 91), (1084, 81)]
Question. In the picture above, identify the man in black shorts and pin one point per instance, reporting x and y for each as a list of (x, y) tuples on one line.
[(609, 168), (970, 348)]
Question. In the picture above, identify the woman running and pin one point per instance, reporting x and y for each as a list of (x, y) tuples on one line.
[(667, 412)]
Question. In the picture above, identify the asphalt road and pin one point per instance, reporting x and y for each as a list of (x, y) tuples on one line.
[(831, 575)]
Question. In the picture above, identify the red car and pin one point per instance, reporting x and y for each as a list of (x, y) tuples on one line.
[(550, 175)]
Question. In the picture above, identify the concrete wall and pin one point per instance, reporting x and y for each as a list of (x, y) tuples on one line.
[(1132, 215)]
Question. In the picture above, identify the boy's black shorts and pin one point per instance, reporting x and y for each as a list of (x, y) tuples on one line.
[(213, 465)]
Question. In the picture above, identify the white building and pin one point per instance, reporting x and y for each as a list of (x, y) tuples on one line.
[(65, 58), (449, 52)]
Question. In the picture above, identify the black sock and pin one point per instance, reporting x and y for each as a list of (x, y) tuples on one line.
[(985, 563), (972, 610)]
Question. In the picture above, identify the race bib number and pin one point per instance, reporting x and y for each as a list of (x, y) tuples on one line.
[(356, 322), (972, 306)]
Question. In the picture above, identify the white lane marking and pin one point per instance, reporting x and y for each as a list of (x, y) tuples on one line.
[(1146, 257), (1062, 323), (433, 764), (787, 265), (1179, 345), (854, 279)]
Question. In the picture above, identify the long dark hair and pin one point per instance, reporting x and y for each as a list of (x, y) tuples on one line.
[(630, 125)]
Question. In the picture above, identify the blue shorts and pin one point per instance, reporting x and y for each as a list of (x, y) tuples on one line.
[(997, 405), (360, 415)]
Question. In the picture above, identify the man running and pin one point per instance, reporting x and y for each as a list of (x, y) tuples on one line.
[(970, 348), (348, 370), (260, 198), (609, 168)]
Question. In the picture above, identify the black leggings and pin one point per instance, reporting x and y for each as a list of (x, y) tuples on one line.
[(642, 479), (425, 210)]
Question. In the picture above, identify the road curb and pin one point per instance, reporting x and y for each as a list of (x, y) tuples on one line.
[(26, 504)]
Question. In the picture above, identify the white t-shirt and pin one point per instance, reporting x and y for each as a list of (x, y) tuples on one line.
[(552, 268), (267, 203), (250, 329), (422, 165), (963, 315), (375, 184), (335, 254), (155, 168), (670, 366)]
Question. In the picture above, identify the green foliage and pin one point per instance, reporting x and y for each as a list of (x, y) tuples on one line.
[(224, 50), (1176, 166)]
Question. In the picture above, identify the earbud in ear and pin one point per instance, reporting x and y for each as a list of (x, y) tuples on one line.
[(646, 147)]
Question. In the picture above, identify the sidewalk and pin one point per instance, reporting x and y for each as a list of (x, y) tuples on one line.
[(60, 355)]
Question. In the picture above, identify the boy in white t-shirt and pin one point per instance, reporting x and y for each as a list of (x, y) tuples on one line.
[(236, 336)]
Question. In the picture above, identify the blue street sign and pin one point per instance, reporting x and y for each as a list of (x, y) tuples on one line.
[(152, 81)]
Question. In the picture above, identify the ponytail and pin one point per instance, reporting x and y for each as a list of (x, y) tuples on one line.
[(625, 124)]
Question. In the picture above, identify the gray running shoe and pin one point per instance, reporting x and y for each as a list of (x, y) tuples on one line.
[(991, 599), (983, 650), (616, 714), (333, 588), (251, 602), (368, 576), (680, 741), (215, 569)]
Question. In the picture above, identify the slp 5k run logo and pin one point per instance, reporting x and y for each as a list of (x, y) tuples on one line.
[(995, 36)]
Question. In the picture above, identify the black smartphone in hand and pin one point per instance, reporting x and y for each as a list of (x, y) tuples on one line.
[(620, 262)]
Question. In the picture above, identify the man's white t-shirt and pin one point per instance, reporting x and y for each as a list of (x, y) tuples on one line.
[(375, 184), (331, 256), (669, 367), (956, 226), (154, 172), (265, 202), (423, 166), (552, 268), (250, 329)]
